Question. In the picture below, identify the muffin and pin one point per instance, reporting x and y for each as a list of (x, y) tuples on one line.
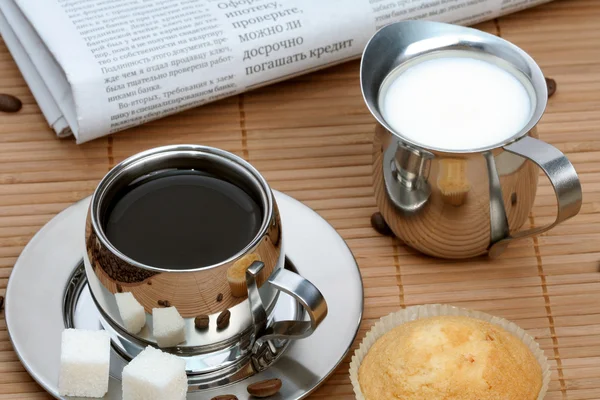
[(236, 274), (442, 352), (452, 181)]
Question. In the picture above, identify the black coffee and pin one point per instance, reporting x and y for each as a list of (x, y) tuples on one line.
[(182, 220)]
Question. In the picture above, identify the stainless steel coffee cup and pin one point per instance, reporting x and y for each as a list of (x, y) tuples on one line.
[(499, 182), (194, 292)]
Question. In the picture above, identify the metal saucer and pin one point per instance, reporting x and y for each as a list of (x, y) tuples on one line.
[(35, 314), (207, 370)]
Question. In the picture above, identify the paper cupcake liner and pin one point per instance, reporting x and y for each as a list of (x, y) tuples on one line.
[(455, 198), (393, 320), (238, 289)]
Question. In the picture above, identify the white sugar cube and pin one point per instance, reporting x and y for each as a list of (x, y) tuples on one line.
[(167, 326), (132, 312), (154, 375), (84, 363)]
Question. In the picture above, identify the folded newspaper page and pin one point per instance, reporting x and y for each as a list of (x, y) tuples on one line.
[(100, 66)]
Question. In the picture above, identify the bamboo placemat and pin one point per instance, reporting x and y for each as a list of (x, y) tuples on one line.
[(311, 138)]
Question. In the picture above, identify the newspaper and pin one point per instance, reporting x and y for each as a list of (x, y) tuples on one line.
[(100, 66)]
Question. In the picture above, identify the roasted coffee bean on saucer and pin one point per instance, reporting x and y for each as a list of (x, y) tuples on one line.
[(379, 224), (1, 303), (265, 388), (223, 319), (9, 103), (201, 321), (551, 84), (220, 297)]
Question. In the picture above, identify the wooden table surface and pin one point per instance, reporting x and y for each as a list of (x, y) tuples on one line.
[(311, 137)]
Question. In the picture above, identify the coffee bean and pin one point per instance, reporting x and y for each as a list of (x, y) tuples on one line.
[(551, 84), (1, 303), (9, 103), (223, 319), (220, 297), (150, 283), (164, 303), (201, 321), (119, 288), (265, 388), (379, 224), (513, 199), (225, 397)]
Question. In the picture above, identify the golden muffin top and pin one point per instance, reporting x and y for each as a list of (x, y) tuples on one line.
[(449, 358)]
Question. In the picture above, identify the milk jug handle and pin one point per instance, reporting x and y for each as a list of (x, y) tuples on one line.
[(563, 178)]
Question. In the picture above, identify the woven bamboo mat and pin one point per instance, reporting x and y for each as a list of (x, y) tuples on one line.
[(311, 138)]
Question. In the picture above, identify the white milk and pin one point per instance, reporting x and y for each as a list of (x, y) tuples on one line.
[(455, 103)]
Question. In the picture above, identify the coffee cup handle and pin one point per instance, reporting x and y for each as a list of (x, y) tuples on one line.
[(405, 173), (563, 178), (296, 286)]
